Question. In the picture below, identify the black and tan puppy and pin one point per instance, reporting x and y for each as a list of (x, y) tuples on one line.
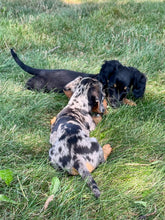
[(73, 149), (117, 80)]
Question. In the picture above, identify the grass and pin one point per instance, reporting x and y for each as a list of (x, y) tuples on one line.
[(83, 34)]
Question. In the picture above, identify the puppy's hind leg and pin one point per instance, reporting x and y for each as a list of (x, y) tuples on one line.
[(52, 120), (80, 166), (107, 150), (89, 167)]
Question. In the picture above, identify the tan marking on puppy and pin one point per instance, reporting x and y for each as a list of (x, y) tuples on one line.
[(107, 149), (105, 104), (128, 102), (52, 120), (68, 93), (97, 107), (97, 119), (90, 168)]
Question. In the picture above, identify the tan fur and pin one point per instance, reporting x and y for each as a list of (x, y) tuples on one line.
[(128, 102)]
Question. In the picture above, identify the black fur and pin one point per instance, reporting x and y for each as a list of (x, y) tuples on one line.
[(119, 80), (111, 73)]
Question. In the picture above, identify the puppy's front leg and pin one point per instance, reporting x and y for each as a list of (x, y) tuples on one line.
[(128, 102)]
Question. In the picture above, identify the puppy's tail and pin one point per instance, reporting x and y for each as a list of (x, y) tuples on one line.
[(26, 68), (86, 175)]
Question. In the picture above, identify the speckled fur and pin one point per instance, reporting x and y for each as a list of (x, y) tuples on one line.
[(72, 148)]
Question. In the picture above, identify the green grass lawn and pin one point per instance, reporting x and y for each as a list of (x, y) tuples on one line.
[(53, 34)]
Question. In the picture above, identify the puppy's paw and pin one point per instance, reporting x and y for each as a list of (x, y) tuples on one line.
[(74, 172), (107, 149), (128, 102)]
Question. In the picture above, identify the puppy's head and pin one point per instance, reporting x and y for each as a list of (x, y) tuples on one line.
[(71, 86), (94, 90), (95, 95), (118, 88), (107, 70), (118, 80)]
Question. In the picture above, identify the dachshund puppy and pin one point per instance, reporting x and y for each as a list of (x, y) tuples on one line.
[(48, 80), (73, 149), (69, 89), (117, 80)]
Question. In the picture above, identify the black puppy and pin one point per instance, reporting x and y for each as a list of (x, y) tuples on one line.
[(117, 79), (48, 80)]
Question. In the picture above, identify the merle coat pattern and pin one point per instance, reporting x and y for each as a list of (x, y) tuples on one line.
[(117, 80), (72, 148)]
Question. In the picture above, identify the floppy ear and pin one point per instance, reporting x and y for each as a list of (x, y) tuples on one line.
[(93, 98), (107, 70), (96, 108), (95, 101), (139, 85)]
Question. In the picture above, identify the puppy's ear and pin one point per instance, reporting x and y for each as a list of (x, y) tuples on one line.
[(139, 84), (97, 107), (95, 101), (107, 70)]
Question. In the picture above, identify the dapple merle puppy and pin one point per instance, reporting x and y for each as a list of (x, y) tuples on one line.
[(72, 148), (117, 80)]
